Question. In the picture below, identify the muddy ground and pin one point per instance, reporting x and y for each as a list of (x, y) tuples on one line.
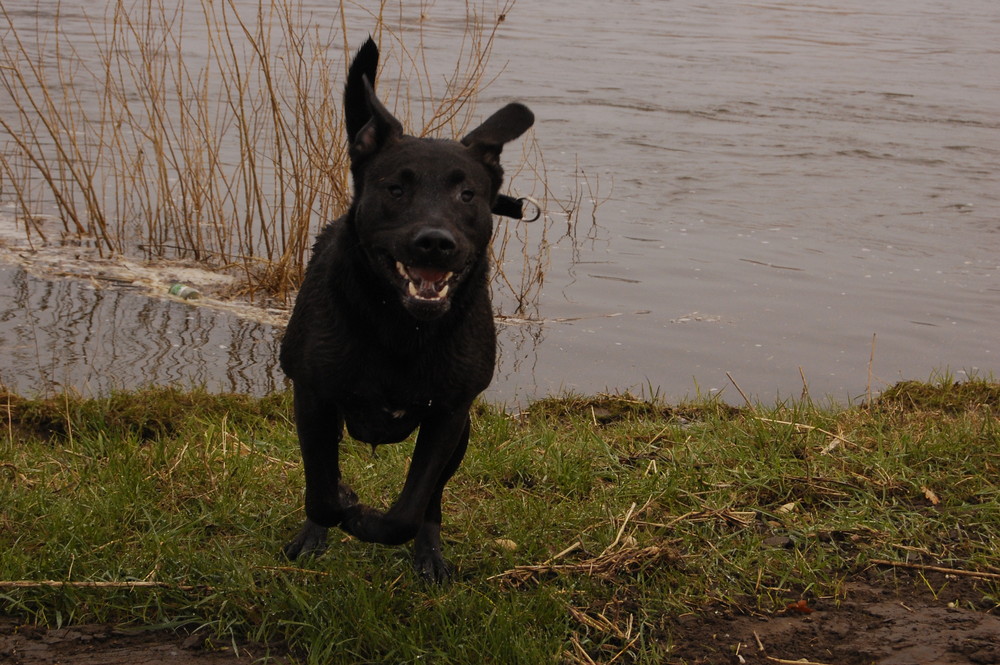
[(914, 618), (109, 645), (900, 618)]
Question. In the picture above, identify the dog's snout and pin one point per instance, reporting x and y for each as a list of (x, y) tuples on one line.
[(434, 243)]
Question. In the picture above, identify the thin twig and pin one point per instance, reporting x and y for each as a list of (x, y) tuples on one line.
[(674, 521), (625, 649), (621, 529), (584, 657), (871, 362), (658, 435), (607, 566), (937, 569), (601, 624), (292, 569), (802, 661), (740, 390), (809, 428), (42, 584), (566, 551)]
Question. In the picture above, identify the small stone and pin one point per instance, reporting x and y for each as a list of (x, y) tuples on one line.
[(779, 542)]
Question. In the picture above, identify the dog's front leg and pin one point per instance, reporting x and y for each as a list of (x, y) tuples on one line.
[(427, 558), (320, 428), (439, 450)]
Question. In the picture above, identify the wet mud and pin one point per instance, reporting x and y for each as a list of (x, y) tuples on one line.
[(871, 625), (94, 644)]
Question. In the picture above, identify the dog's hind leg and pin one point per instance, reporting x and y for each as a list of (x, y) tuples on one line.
[(320, 429)]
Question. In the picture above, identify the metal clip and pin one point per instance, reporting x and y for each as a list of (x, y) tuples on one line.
[(536, 204)]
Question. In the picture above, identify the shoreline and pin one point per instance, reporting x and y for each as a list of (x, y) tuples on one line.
[(48, 260)]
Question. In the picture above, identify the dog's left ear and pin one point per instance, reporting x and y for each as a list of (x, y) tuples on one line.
[(382, 129), (487, 140)]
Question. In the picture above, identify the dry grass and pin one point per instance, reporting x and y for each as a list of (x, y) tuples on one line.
[(212, 130), (608, 567)]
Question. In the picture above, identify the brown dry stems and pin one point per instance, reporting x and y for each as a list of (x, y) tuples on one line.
[(211, 131)]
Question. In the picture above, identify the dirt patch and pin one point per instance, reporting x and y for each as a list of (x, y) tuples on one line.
[(22, 644), (605, 409), (960, 397), (871, 626)]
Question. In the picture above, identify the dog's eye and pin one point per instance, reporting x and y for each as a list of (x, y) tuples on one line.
[(468, 195), (395, 191)]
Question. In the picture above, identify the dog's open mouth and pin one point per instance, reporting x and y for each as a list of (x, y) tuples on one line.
[(426, 284)]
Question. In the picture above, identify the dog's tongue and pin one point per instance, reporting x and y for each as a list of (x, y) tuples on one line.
[(428, 275), (428, 283)]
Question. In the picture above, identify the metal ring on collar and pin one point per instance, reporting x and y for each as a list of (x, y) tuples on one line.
[(538, 208)]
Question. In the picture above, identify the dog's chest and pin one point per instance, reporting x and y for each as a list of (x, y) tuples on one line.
[(377, 422)]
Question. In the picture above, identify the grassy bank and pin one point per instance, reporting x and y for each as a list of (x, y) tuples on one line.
[(583, 530)]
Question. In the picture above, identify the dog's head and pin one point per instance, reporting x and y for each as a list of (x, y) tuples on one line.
[(422, 207)]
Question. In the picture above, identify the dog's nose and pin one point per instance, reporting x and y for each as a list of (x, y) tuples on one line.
[(434, 243)]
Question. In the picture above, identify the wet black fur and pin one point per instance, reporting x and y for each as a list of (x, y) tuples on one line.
[(362, 350)]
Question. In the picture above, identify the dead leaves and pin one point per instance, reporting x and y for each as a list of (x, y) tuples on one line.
[(799, 606), (930, 495)]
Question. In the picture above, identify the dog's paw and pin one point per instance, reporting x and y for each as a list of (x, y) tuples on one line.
[(427, 558), (310, 541), (431, 566)]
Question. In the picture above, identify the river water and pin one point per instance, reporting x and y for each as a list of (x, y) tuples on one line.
[(781, 191)]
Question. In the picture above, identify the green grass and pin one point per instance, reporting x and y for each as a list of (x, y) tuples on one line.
[(665, 510)]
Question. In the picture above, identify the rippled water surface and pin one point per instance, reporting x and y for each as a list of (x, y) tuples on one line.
[(777, 183), (66, 332)]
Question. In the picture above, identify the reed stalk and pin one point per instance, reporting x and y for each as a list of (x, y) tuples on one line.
[(211, 131)]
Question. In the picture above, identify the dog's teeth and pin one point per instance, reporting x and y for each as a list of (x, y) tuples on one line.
[(425, 284)]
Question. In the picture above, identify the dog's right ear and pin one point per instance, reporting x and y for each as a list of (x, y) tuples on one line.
[(383, 128), (364, 65), (368, 123)]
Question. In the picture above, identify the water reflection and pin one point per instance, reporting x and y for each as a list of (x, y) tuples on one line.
[(789, 180), (67, 333)]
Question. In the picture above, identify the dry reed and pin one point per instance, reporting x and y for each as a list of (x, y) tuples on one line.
[(211, 131)]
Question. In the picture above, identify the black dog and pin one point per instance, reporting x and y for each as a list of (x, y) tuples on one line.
[(393, 327)]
